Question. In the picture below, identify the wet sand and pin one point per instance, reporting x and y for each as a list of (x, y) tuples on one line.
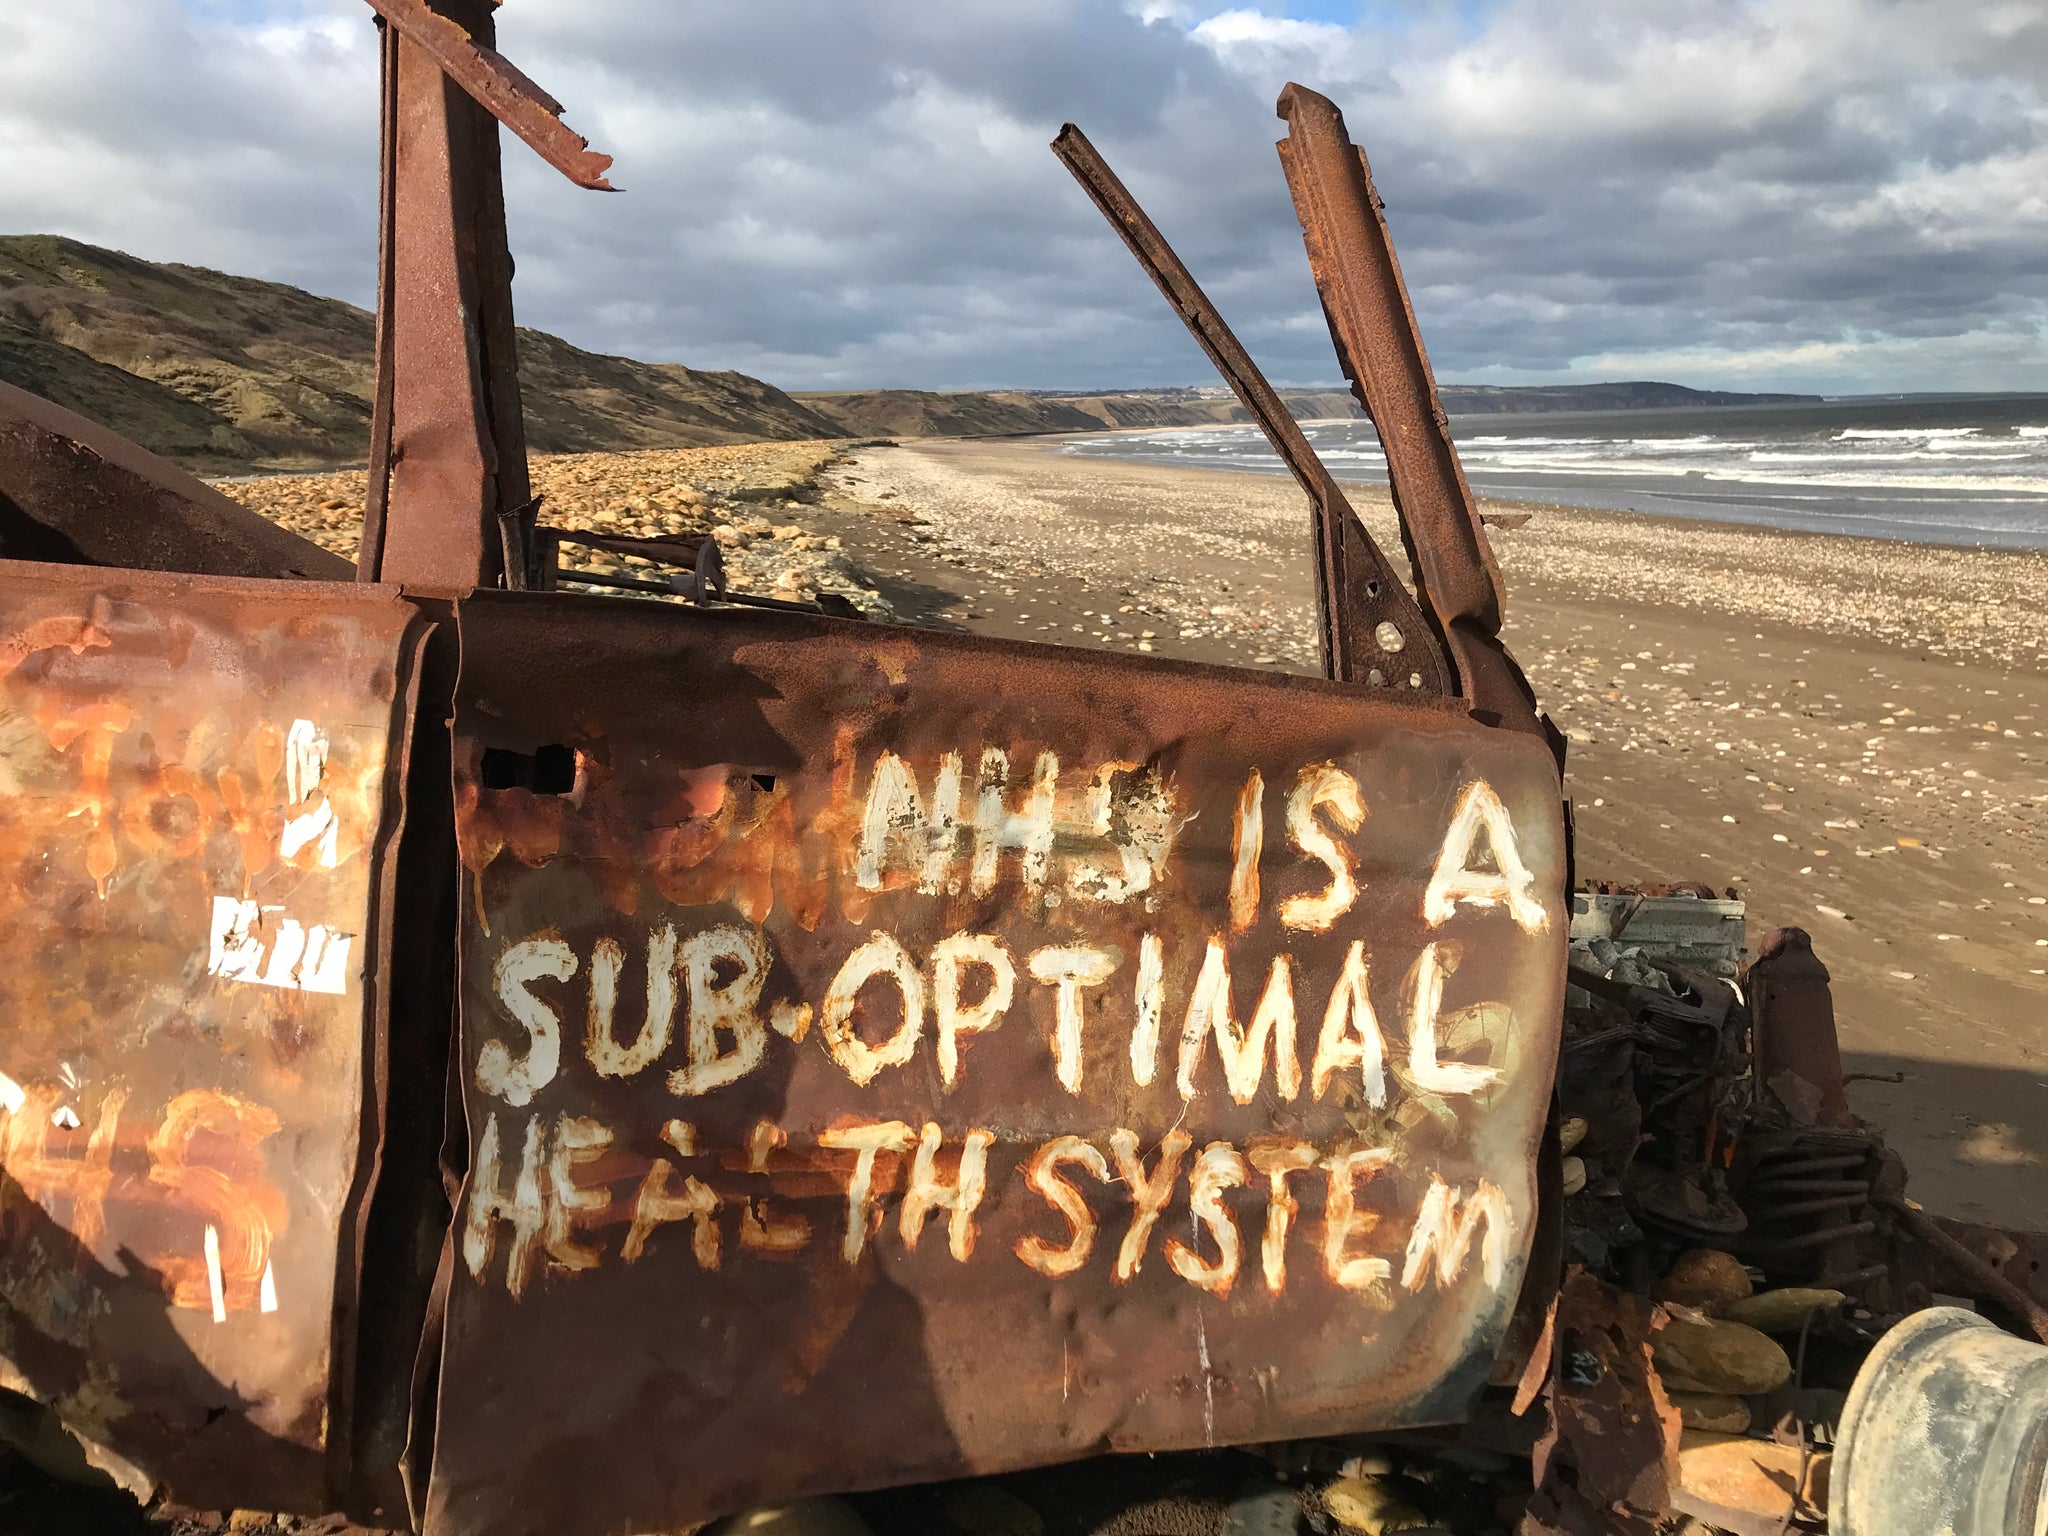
[(1852, 734)]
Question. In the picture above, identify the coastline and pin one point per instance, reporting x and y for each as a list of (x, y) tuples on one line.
[(1681, 475)]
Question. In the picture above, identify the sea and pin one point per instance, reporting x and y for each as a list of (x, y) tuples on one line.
[(1934, 469)]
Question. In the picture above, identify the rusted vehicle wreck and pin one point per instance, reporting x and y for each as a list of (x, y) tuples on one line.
[(492, 1058)]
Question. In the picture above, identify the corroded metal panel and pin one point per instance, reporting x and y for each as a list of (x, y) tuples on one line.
[(892, 1056), (198, 779)]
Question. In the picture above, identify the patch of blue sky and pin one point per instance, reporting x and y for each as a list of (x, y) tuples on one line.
[(1470, 16)]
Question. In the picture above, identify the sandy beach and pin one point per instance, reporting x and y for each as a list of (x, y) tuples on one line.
[(1848, 732)]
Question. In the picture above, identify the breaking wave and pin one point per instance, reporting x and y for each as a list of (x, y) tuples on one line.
[(1873, 473)]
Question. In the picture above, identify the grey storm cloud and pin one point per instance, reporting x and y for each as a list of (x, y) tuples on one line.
[(1834, 194)]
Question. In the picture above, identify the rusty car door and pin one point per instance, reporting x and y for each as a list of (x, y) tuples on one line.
[(202, 784), (895, 1055)]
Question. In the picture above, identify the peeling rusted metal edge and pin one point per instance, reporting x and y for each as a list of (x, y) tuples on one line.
[(1377, 594), (1372, 323), (500, 89), (350, 1320), (125, 581), (377, 503)]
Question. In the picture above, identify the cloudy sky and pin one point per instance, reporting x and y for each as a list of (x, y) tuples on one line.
[(1839, 195)]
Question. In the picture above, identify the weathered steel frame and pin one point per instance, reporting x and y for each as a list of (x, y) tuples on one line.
[(1372, 323), (448, 438), (1369, 628)]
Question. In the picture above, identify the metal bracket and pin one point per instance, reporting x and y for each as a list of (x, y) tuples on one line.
[(501, 89), (1370, 629)]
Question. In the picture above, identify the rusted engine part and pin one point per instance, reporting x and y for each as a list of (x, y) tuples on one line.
[(1808, 1195), (1373, 326), (1820, 1206), (447, 437), (1808, 1180), (1991, 1264), (1660, 1071), (205, 784), (1826, 1200), (1369, 628), (1655, 1086), (725, 1249), (1652, 1076), (1798, 1055), (72, 492)]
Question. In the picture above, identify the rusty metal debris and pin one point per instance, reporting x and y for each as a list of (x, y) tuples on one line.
[(463, 53), (1373, 326), (1608, 1461), (497, 1059), (72, 492), (1370, 629), (203, 793)]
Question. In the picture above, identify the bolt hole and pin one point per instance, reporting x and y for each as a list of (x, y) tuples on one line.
[(548, 770), (1372, 589)]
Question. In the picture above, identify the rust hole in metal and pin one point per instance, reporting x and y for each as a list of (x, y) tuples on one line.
[(765, 782), (549, 770)]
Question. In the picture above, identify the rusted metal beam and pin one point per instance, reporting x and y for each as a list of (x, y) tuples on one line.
[(1985, 1281), (449, 364), (73, 492), (448, 439), (1369, 627), (1373, 326), (377, 504), (465, 55)]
